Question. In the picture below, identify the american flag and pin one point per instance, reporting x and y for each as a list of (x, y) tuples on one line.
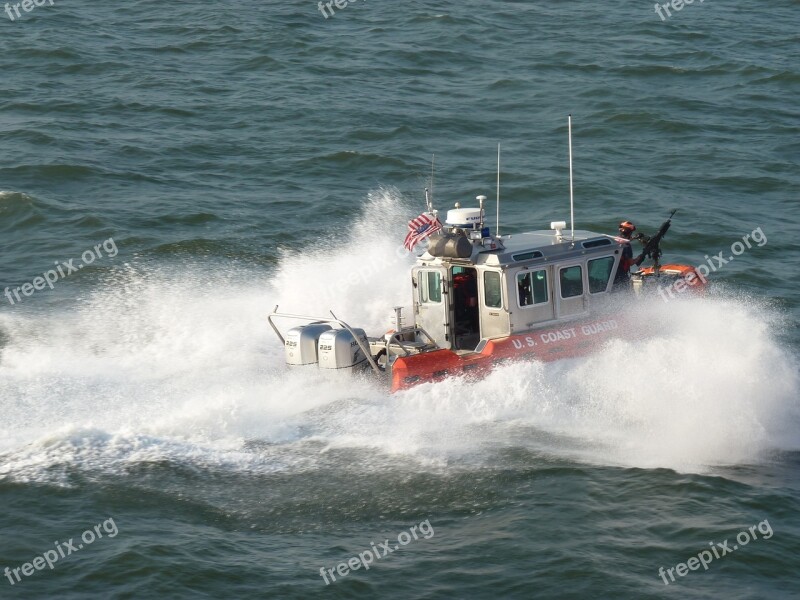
[(420, 228)]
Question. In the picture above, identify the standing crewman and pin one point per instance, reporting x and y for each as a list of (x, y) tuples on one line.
[(626, 229)]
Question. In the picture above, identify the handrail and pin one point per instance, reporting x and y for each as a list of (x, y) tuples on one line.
[(366, 351), (275, 313), (396, 338), (427, 335), (399, 342)]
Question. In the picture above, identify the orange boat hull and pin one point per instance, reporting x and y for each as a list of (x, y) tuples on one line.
[(560, 341)]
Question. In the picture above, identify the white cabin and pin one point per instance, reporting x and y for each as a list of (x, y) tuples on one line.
[(512, 284)]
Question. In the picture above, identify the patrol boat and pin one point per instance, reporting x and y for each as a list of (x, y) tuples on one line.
[(481, 299)]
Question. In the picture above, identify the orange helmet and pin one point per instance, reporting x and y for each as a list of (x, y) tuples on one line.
[(627, 227)]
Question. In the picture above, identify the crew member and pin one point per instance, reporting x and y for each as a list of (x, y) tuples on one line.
[(626, 229)]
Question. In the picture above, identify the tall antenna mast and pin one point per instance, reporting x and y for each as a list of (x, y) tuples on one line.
[(433, 158), (498, 190), (571, 198)]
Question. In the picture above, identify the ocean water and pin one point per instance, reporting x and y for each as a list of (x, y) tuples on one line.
[(217, 159)]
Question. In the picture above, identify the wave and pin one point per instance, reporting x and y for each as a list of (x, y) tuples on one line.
[(179, 365)]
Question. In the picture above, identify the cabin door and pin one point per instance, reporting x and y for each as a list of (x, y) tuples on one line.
[(494, 313), (431, 301), (465, 311), (571, 297)]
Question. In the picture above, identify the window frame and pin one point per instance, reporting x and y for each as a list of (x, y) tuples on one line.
[(563, 268), (424, 288), (530, 273), (610, 273), (499, 289)]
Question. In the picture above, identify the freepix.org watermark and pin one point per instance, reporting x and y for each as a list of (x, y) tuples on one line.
[(63, 550), (705, 557), (27, 6), (64, 269), (676, 5), (364, 274), (340, 4), (713, 264), (366, 558)]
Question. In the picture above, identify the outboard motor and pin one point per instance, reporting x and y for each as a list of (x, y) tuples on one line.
[(300, 345), (338, 349)]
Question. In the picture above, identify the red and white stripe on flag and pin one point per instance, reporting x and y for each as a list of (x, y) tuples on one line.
[(418, 229)]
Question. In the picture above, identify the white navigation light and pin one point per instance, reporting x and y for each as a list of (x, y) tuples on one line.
[(463, 217), (558, 226)]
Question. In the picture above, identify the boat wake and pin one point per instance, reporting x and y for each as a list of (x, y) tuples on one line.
[(161, 364)]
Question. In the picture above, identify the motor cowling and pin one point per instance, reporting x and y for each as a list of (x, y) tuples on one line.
[(300, 343), (338, 349)]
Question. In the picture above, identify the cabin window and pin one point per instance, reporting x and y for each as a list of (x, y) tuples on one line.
[(571, 280), (532, 288), (492, 295), (430, 288), (527, 255), (600, 273), (597, 243)]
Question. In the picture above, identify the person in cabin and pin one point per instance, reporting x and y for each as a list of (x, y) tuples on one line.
[(524, 289)]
